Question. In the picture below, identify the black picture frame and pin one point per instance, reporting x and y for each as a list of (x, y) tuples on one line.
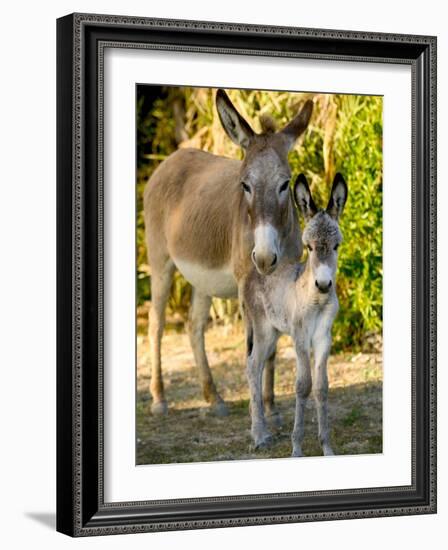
[(81, 39)]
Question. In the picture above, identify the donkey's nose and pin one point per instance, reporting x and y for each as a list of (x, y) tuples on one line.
[(265, 263), (323, 286)]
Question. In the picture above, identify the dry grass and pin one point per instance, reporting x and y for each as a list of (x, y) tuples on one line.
[(189, 433)]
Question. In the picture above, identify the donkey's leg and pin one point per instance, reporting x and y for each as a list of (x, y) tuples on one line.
[(320, 391), (263, 345), (303, 389), (161, 278), (270, 409), (198, 317)]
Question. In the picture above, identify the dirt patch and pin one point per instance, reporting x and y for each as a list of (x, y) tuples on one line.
[(189, 433)]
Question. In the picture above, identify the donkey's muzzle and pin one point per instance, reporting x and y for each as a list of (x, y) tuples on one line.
[(265, 263), (323, 286), (265, 254)]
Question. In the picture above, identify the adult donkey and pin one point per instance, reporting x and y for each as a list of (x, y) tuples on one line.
[(211, 217)]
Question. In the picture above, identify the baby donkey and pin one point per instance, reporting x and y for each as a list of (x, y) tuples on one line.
[(298, 299)]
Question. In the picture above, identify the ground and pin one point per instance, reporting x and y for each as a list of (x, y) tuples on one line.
[(189, 433)]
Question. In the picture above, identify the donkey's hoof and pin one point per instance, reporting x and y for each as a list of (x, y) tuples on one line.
[(159, 408), (219, 409), (262, 442), (297, 452), (328, 451)]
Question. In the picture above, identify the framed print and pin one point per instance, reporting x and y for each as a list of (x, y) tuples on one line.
[(246, 275)]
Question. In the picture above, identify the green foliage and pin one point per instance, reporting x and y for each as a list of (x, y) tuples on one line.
[(345, 135)]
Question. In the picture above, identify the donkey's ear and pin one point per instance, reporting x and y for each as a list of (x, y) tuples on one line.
[(233, 123), (298, 125), (338, 197), (303, 198)]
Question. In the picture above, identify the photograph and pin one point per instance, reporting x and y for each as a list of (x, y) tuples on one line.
[(246, 274), (259, 274), (220, 275)]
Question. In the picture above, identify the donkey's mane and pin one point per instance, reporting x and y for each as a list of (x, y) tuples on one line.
[(268, 124)]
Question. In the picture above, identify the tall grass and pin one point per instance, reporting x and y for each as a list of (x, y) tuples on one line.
[(345, 135)]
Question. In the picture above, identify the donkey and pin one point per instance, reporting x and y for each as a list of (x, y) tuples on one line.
[(298, 299), (211, 217)]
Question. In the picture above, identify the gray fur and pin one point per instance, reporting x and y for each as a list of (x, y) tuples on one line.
[(322, 230)]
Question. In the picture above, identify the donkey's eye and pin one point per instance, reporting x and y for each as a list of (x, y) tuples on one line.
[(284, 186), (336, 246), (246, 187), (310, 248)]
